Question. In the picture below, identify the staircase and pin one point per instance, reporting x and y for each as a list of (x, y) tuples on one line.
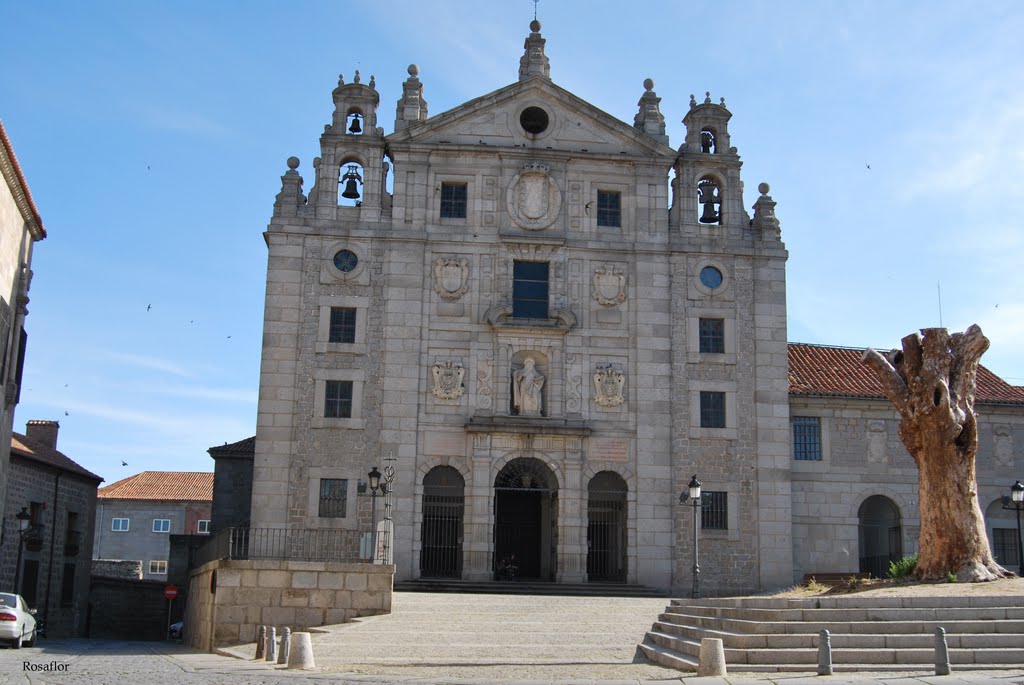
[(867, 633), (527, 587)]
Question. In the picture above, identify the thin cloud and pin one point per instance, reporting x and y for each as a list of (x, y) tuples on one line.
[(151, 363), (181, 121)]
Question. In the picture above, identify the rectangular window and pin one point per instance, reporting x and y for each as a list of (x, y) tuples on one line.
[(158, 568), (67, 586), (714, 511), (712, 336), (338, 399), (161, 525), (453, 200), (609, 208), (1004, 547), (333, 497), (343, 325), (203, 527), (530, 290), (807, 438), (119, 526), (712, 409)]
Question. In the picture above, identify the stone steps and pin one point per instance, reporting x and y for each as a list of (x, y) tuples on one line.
[(770, 634), (525, 587)]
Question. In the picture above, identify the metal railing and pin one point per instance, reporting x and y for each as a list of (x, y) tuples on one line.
[(281, 543)]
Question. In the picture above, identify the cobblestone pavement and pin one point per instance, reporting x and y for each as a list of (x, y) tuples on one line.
[(110, 662)]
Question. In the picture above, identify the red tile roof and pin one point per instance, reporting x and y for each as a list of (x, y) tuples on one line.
[(36, 451), (20, 188), (192, 486), (838, 372)]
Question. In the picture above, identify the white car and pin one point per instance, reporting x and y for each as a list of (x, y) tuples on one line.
[(17, 621)]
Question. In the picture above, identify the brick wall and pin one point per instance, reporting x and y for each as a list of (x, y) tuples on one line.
[(121, 609)]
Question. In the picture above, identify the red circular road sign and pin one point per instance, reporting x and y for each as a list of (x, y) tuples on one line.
[(171, 591)]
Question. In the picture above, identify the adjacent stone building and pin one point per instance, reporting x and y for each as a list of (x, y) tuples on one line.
[(547, 321), (57, 498), (137, 515), (20, 229)]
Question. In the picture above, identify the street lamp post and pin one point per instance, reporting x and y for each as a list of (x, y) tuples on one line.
[(693, 496), (374, 478), (1016, 503), (23, 518)]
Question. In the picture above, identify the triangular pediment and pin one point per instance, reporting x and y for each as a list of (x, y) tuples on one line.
[(573, 124)]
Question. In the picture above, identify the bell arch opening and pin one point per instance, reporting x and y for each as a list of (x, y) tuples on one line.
[(879, 535), (525, 521)]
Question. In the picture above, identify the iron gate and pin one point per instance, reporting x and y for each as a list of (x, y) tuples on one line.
[(441, 533), (606, 528), (525, 521)]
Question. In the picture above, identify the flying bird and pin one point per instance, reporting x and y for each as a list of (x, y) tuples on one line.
[(868, 166), (148, 307), (124, 463)]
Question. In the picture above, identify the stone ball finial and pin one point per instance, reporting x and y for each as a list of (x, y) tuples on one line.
[(316, 162), (414, 70), (763, 188), (707, 96), (648, 84), (293, 162), (693, 101), (535, 26)]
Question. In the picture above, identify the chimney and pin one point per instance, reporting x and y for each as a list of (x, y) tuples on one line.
[(43, 432)]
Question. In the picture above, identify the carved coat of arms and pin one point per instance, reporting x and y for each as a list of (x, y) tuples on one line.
[(448, 380), (609, 285), (533, 198), (451, 277), (608, 384)]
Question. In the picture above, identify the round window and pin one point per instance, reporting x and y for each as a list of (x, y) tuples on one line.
[(534, 120), (711, 277), (345, 261)]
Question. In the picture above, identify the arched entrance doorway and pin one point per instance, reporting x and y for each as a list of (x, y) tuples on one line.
[(441, 533), (525, 521), (606, 528), (880, 535)]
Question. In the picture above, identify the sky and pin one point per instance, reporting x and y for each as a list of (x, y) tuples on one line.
[(153, 137)]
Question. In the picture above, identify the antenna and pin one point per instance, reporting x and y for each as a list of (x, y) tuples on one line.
[(938, 286)]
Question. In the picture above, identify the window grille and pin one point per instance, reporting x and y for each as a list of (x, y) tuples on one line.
[(333, 497), (712, 409), (338, 399), (712, 336), (343, 325), (714, 510), (454, 198), (807, 438), (1004, 546), (609, 208)]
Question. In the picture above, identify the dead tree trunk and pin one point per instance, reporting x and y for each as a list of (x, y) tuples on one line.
[(931, 382)]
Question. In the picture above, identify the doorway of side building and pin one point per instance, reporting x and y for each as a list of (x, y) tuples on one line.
[(441, 532), (525, 521), (606, 528), (880, 535)]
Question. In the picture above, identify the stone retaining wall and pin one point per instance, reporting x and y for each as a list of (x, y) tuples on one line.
[(229, 600)]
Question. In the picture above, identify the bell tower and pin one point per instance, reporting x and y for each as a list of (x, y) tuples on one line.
[(351, 171), (708, 193)]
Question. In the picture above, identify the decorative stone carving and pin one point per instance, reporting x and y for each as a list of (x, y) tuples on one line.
[(448, 380), (527, 389), (609, 285), (533, 198), (451, 277), (608, 384)]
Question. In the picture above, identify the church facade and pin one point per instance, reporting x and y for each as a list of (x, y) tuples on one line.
[(550, 320)]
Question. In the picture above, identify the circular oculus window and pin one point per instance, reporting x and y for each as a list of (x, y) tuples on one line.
[(345, 261), (534, 120), (711, 277)]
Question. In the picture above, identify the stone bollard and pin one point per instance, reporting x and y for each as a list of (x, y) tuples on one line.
[(824, 653), (300, 653), (272, 645), (941, 652), (261, 642), (712, 657), (286, 640)]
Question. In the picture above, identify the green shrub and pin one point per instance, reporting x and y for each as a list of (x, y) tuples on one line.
[(950, 577), (902, 568)]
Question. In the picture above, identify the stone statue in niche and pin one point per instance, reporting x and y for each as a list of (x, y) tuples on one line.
[(448, 380), (527, 389), (451, 277), (609, 285), (608, 384)]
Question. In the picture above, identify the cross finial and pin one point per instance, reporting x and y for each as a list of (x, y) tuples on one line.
[(535, 9)]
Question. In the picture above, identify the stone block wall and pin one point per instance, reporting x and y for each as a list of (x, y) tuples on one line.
[(229, 600)]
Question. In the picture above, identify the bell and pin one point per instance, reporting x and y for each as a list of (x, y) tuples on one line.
[(355, 127), (707, 142), (352, 193), (710, 216)]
